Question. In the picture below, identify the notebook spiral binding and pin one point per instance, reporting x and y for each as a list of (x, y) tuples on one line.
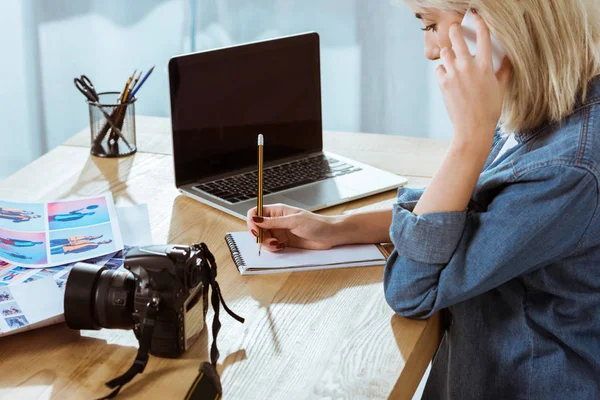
[(235, 252)]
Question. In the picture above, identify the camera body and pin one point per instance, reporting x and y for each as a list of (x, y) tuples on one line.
[(161, 286)]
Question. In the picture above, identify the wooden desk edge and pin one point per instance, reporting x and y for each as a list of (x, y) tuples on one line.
[(426, 347)]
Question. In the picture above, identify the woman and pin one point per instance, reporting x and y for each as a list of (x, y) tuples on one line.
[(506, 239)]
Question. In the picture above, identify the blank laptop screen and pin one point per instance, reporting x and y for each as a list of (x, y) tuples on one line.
[(222, 99)]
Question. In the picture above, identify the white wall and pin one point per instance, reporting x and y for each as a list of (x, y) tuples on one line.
[(107, 43), (19, 114), (374, 75)]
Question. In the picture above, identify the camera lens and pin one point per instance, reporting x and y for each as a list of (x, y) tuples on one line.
[(96, 297)]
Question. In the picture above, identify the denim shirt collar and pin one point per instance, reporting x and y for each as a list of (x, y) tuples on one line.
[(593, 95), (528, 134)]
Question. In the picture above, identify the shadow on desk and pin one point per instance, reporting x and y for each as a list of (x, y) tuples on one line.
[(272, 293), (73, 357), (296, 287), (69, 357), (101, 175), (198, 353)]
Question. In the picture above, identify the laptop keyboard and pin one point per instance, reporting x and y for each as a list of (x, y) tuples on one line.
[(277, 178)]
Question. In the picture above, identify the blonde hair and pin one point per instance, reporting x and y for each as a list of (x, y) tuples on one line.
[(553, 45)]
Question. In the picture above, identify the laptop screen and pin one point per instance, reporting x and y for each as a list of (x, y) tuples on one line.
[(221, 100)]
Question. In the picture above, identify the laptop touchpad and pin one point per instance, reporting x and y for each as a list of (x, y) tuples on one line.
[(321, 194)]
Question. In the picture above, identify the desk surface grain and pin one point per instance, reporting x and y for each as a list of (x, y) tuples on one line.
[(309, 335)]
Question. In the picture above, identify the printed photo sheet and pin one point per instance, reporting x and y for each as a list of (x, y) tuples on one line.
[(40, 235), (33, 298)]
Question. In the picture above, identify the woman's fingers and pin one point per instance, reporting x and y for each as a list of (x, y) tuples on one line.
[(277, 221), (252, 227), (287, 222), (274, 217), (459, 44), (448, 58), (276, 241), (277, 210), (484, 40)]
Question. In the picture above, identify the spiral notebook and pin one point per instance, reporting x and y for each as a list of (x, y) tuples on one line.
[(245, 256)]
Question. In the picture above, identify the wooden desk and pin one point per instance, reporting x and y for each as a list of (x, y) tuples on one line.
[(325, 334)]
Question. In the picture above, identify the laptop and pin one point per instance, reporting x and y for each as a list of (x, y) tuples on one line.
[(222, 99)]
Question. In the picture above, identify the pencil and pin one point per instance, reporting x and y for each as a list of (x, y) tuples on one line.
[(125, 92), (261, 142), (134, 84), (121, 110)]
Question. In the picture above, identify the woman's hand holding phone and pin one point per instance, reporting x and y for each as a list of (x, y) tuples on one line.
[(473, 92)]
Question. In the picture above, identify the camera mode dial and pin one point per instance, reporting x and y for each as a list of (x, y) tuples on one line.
[(178, 253)]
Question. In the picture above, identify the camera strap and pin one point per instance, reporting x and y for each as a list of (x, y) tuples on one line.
[(207, 385), (141, 359)]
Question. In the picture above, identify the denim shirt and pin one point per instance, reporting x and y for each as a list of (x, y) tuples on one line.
[(518, 271)]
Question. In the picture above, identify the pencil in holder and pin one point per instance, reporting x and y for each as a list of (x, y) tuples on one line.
[(112, 126)]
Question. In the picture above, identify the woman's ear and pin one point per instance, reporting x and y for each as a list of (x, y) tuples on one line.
[(504, 73)]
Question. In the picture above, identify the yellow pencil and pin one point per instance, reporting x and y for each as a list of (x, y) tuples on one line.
[(125, 93), (261, 142), (121, 110)]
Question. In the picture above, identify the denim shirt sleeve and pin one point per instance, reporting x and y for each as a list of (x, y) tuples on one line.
[(441, 259)]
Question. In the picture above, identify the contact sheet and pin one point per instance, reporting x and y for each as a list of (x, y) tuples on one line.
[(40, 235)]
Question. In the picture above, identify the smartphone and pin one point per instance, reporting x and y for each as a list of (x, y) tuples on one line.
[(468, 27)]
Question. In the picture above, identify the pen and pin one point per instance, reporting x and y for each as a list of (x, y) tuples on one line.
[(261, 142), (133, 85), (135, 90)]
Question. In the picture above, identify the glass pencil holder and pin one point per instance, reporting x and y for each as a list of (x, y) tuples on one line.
[(112, 126)]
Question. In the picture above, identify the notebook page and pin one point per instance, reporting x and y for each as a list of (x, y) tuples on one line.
[(259, 271), (291, 257)]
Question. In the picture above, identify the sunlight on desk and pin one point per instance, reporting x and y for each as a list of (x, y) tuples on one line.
[(39, 386), (320, 334), (110, 336)]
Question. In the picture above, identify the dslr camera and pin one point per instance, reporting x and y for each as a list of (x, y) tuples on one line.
[(162, 294), (160, 290)]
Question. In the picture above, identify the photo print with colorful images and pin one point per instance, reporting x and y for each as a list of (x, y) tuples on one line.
[(50, 271), (33, 278), (5, 295), (8, 309), (70, 245), (29, 217), (123, 253), (77, 213), (23, 247), (12, 275), (64, 275), (16, 322)]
